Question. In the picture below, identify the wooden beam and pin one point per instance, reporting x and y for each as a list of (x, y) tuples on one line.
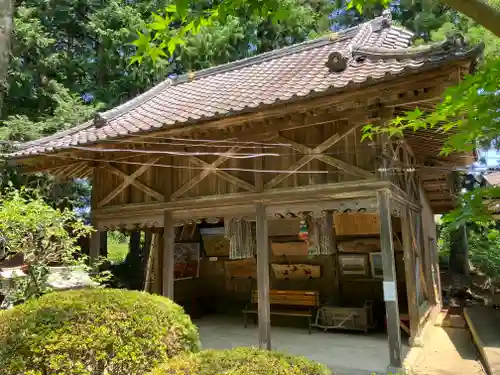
[(345, 190), (389, 283), (291, 170), (226, 176), (64, 170), (208, 169), (74, 173), (84, 172), (413, 97), (138, 184), (349, 168), (168, 256), (50, 168), (316, 153), (263, 278), (445, 195), (410, 276), (128, 180)]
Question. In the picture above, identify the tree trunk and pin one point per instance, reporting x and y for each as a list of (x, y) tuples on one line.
[(459, 252), (5, 30), (459, 246), (480, 11)]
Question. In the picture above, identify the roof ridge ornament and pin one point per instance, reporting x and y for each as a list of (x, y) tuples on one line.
[(339, 60), (386, 18), (455, 41), (453, 44), (99, 120)]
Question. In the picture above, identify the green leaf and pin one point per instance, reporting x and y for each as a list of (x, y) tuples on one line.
[(159, 23), (136, 59), (172, 8), (173, 43), (182, 8), (281, 14), (157, 54)]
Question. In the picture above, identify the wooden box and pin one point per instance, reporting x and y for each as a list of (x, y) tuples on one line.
[(283, 227), (242, 268), (215, 246), (366, 245), (362, 245), (355, 223), (299, 248)]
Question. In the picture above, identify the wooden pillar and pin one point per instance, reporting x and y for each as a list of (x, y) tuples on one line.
[(103, 248), (263, 278), (168, 255), (425, 260), (410, 276), (95, 246), (335, 271), (389, 283)]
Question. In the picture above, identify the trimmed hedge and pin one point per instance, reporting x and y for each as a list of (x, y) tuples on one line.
[(240, 361), (93, 331)]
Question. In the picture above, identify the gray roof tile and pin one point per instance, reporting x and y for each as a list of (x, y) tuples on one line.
[(277, 76)]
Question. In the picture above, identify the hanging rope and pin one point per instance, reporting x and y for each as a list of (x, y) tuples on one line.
[(241, 235)]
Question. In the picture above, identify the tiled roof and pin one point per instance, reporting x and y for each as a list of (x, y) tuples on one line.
[(291, 73), (493, 178)]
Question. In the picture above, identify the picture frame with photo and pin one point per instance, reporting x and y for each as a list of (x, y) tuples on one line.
[(186, 260), (377, 269), (353, 264)]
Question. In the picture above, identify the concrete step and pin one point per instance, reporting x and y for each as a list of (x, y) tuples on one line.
[(484, 324)]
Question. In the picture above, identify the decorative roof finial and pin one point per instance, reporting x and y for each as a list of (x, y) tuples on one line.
[(99, 120), (387, 17), (338, 61)]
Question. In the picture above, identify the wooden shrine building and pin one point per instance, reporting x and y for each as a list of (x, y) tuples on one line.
[(275, 140)]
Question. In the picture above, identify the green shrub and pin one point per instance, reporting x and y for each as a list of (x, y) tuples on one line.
[(240, 361), (93, 332)]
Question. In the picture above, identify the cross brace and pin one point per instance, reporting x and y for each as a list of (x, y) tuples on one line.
[(127, 180), (318, 154), (209, 168)]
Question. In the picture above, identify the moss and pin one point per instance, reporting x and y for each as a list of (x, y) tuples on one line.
[(240, 361), (98, 331)]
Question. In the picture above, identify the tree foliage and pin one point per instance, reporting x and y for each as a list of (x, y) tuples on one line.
[(43, 234), (468, 113), (174, 25), (483, 241)]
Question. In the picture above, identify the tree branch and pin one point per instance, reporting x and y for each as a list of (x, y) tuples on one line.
[(484, 14)]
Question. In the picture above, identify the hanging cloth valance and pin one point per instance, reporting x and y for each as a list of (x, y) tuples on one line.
[(241, 236), (319, 237)]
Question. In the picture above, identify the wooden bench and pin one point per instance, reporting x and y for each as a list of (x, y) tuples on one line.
[(296, 303)]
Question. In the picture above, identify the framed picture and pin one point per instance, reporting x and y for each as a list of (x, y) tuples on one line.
[(186, 260), (353, 264), (214, 242), (376, 265)]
